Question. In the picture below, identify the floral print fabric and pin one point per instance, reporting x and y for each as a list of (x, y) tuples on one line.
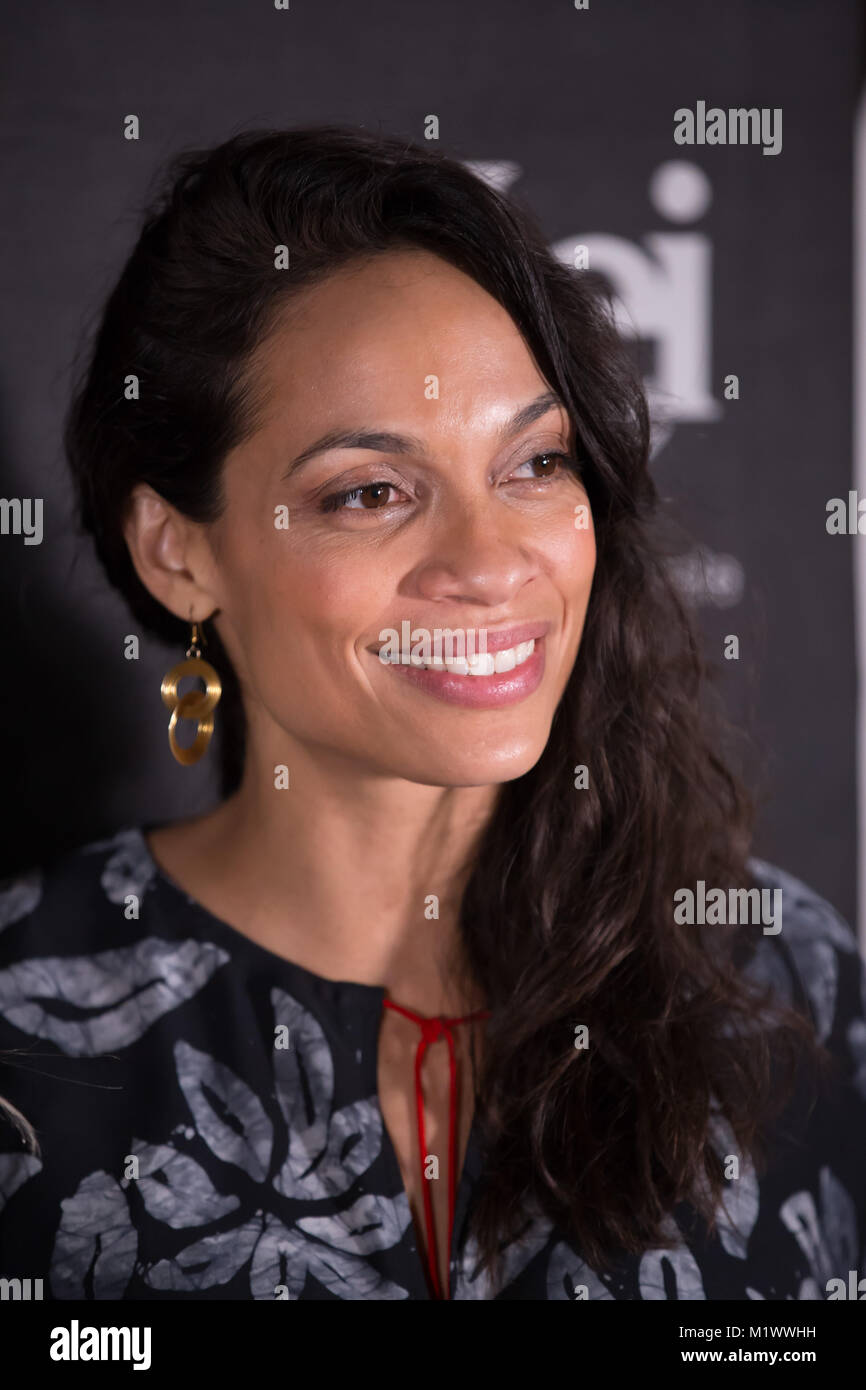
[(210, 1127)]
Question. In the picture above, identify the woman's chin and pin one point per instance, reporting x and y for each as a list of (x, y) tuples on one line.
[(475, 768)]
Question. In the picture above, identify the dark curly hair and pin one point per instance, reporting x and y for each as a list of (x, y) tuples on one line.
[(567, 917)]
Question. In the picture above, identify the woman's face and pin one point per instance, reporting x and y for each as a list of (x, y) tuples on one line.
[(450, 526)]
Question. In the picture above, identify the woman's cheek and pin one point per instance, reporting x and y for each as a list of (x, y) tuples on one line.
[(568, 555)]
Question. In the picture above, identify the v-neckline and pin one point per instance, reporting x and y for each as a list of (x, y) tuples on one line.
[(370, 1000)]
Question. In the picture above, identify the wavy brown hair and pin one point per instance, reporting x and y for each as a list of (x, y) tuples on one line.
[(568, 913)]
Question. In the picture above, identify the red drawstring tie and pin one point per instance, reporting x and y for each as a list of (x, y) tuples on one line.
[(431, 1029)]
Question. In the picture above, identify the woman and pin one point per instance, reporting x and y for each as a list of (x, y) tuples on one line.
[(418, 1010)]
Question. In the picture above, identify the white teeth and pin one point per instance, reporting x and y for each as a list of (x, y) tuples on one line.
[(481, 664)]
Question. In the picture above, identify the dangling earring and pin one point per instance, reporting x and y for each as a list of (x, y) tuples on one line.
[(195, 704)]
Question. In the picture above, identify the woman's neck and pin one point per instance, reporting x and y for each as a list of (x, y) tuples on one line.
[(353, 876)]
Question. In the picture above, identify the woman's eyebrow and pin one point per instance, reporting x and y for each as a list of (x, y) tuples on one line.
[(385, 442)]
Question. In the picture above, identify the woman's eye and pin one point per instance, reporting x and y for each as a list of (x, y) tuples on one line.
[(550, 459), (372, 497)]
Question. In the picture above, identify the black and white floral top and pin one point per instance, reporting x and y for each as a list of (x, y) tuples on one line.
[(210, 1128)]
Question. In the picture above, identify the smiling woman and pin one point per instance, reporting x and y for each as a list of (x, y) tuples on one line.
[(411, 1013)]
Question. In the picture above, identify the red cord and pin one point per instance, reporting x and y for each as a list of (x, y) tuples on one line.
[(431, 1029)]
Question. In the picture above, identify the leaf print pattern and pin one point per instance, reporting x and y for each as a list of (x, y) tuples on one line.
[(738, 1212), (767, 967), (326, 1153), (96, 1240), (817, 963), (245, 1136), (279, 1261), (19, 896), (839, 1221), (806, 916), (815, 933), (801, 1218), (212, 1260), (285, 1257), (117, 994), (856, 1037), (130, 869), (828, 1237), (567, 1273), (475, 1283), (263, 1172), (739, 1205), (670, 1274), (329, 1152), (334, 1149), (372, 1223), (175, 1189), (15, 1169), (809, 1291)]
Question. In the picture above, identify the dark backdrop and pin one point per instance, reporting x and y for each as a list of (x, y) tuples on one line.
[(731, 262)]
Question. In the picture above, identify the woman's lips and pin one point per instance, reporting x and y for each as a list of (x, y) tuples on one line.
[(477, 692)]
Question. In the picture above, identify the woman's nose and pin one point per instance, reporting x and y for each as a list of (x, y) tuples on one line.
[(479, 552)]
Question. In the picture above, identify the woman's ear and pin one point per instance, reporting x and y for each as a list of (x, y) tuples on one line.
[(169, 554)]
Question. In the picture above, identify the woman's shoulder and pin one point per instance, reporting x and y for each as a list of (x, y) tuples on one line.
[(91, 954), (804, 915), (60, 901), (811, 955)]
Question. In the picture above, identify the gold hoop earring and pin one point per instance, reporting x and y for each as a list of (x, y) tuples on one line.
[(195, 704)]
